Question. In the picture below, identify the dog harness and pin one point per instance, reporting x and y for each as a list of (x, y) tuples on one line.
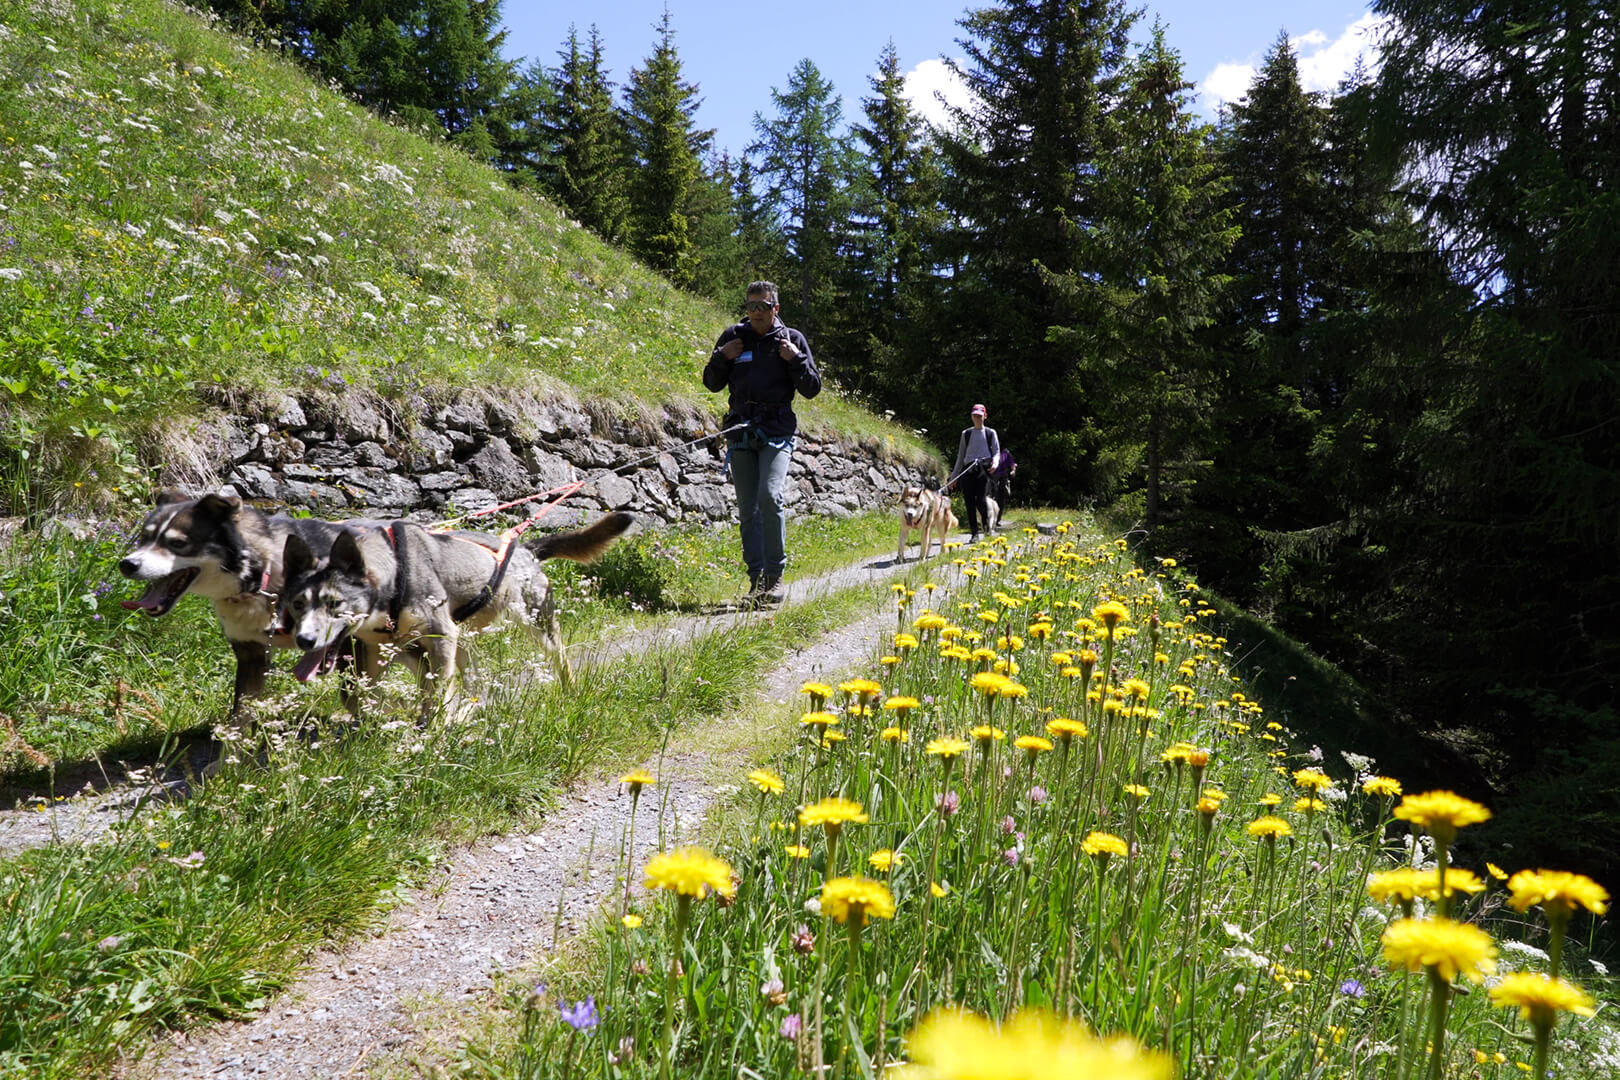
[(502, 555)]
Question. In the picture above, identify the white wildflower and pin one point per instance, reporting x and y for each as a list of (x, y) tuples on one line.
[(182, 298), (10, 273), (224, 217), (370, 290), (134, 230), (165, 244), (46, 152), (326, 237), (1248, 956)]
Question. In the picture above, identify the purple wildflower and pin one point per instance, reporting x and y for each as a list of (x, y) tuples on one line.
[(582, 1017), (792, 1024), (1352, 988)]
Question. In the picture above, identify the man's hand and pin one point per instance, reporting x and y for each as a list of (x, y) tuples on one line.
[(788, 350), (732, 349)]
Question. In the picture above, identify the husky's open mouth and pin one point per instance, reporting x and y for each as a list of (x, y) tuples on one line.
[(320, 661), (160, 596)]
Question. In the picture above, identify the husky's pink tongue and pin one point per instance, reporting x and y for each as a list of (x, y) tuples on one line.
[(154, 598), (309, 664)]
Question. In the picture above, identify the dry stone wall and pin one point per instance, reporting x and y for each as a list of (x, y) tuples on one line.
[(346, 454)]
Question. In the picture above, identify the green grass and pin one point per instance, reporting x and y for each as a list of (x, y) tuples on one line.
[(187, 218), (1214, 952)]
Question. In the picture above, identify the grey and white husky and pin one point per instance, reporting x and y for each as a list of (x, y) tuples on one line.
[(218, 547), (399, 589)]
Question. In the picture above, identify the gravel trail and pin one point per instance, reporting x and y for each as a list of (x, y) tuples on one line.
[(494, 905)]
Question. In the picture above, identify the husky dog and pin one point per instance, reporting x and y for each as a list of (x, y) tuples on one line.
[(928, 511), (217, 547), (401, 588)]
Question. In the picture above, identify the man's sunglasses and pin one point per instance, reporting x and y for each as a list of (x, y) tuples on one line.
[(760, 305)]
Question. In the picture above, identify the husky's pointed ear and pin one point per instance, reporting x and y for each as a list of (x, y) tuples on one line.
[(346, 557), (220, 506), (296, 558)]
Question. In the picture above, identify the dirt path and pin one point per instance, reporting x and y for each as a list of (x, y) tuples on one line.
[(495, 905)]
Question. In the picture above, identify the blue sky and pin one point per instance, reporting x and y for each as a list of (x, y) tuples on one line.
[(738, 52)]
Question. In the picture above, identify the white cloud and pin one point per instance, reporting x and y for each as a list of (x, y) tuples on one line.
[(1323, 62), (1228, 82), (929, 81)]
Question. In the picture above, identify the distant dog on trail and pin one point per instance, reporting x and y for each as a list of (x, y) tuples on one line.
[(928, 511), (414, 592), (219, 548)]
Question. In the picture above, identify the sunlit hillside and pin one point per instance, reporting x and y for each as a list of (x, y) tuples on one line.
[(180, 208)]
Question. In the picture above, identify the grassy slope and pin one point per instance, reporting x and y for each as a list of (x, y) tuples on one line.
[(182, 209)]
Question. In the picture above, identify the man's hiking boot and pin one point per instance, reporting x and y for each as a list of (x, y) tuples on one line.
[(768, 590)]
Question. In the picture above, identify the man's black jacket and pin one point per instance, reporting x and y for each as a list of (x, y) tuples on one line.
[(762, 380)]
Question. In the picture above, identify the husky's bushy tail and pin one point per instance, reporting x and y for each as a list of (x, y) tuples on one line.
[(582, 545)]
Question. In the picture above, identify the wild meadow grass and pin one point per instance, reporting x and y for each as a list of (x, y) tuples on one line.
[(184, 216), (1049, 834)]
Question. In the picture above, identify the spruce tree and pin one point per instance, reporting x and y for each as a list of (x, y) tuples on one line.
[(1025, 158), (895, 218), (666, 153), (803, 162), (1153, 281), (587, 173)]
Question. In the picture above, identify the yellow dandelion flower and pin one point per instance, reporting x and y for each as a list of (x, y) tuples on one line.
[(631, 921), (1401, 885), (885, 860), (822, 720), (1176, 753), (861, 688), (1458, 880), (901, 704), (1102, 844), (796, 851), (1557, 891), (1270, 827), (856, 899), (987, 683), (689, 871), (1215, 793), (1312, 779), (832, 812), (818, 693), (1381, 785), (636, 779), (1496, 871), (1032, 744), (767, 781), (1451, 948), (1111, 614), (961, 1046), (830, 738), (1540, 999), (1064, 729), (1269, 799), (894, 734), (1441, 813), (1137, 689), (1135, 791), (1306, 804), (947, 747), (1010, 689), (937, 889), (985, 734), (1198, 759), (1208, 807)]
